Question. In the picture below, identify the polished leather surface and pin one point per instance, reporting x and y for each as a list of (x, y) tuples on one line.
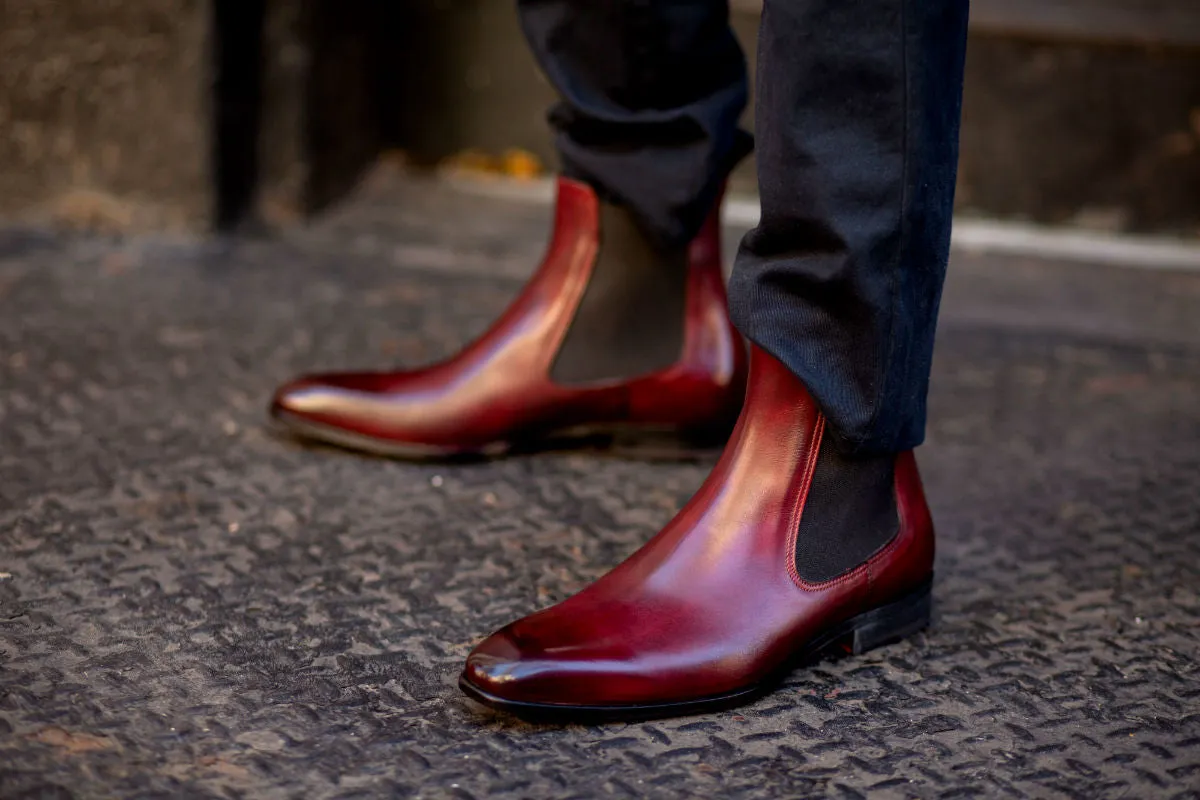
[(498, 390), (713, 604)]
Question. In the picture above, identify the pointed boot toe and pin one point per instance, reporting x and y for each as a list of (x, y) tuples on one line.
[(494, 667), (315, 397), (355, 410)]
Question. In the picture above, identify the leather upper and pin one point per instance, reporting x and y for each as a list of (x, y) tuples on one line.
[(498, 388), (713, 603)]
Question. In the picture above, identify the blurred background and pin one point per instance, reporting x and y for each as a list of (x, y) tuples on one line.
[(198, 114)]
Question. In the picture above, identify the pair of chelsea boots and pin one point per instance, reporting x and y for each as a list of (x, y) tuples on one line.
[(789, 548)]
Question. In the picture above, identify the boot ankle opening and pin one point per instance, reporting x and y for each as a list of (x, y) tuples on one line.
[(630, 320)]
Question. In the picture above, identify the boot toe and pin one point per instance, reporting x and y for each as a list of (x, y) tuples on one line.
[(303, 397), (501, 671), (324, 396), (495, 667), (551, 660), (292, 399)]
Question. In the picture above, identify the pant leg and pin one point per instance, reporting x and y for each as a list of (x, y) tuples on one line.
[(651, 95), (858, 106)]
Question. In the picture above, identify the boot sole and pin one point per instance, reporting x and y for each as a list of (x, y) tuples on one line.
[(647, 442), (358, 442), (875, 628)]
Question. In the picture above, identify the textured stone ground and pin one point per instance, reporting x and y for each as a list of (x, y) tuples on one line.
[(190, 606)]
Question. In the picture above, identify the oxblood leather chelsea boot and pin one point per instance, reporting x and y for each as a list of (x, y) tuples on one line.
[(611, 332), (789, 548)]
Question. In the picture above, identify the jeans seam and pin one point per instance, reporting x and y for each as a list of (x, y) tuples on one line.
[(890, 338)]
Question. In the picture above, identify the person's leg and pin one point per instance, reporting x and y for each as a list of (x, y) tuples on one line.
[(625, 322), (651, 95), (812, 530), (858, 113)]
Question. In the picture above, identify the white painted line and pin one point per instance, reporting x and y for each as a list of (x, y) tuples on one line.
[(742, 212), (1122, 250), (972, 235)]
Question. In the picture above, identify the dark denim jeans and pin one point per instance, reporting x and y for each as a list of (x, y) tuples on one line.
[(858, 105)]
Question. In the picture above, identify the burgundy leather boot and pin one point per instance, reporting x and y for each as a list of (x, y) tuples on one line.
[(611, 332), (788, 549)]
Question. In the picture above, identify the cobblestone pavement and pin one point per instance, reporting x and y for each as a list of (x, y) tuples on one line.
[(191, 606)]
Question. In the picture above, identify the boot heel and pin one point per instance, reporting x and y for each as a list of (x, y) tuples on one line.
[(893, 622)]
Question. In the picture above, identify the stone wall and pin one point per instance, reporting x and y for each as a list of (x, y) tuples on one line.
[(126, 114), (1096, 135), (1088, 129), (105, 112)]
